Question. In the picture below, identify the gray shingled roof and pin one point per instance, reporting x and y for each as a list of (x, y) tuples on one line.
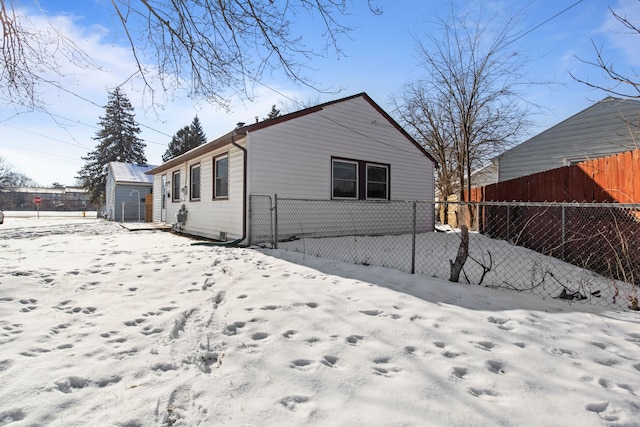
[(131, 173)]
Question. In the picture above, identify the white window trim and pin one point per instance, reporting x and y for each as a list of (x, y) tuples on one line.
[(191, 168), (215, 177), (333, 162), (366, 184), (175, 197)]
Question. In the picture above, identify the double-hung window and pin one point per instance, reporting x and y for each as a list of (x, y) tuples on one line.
[(221, 177), (359, 180), (194, 184), (377, 182), (175, 186), (345, 179)]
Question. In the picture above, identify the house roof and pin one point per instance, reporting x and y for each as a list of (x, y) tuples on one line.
[(130, 173), (606, 102), (242, 130)]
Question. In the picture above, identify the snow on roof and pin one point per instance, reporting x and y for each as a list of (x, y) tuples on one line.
[(130, 172)]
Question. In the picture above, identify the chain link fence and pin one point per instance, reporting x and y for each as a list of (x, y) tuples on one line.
[(578, 252), (132, 212)]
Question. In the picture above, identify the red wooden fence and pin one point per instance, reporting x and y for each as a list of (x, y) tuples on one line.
[(605, 241), (613, 178)]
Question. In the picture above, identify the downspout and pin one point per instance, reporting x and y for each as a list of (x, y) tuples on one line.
[(244, 183), (244, 197)]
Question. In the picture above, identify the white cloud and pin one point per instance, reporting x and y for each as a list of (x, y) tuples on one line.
[(47, 146)]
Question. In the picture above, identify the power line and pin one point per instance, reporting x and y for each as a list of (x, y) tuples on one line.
[(542, 23), (65, 159), (78, 145)]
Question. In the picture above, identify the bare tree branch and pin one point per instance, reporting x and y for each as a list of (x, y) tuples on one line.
[(622, 85), (467, 108), (209, 49)]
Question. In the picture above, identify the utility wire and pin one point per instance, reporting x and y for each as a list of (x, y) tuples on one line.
[(544, 22)]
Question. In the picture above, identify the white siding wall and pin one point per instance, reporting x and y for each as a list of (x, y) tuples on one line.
[(110, 196), (157, 195), (207, 217), (598, 131), (293, 159)]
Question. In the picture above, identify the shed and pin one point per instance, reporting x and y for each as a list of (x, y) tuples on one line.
[(340, 151), (126, 188)]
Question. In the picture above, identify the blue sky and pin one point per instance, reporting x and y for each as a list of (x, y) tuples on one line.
[(380, 56)]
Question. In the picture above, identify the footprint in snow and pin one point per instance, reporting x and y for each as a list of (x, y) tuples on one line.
[(292, 402), (459, 372), (383, 369), (481, 392), (495, 367), (301, 364), (329, 361), (451, 354), (259, 336), (500, 322), (354, 339), (30, 305), (232, 328), (485, 345)]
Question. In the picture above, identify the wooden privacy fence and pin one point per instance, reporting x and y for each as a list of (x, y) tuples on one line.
[(611, 179), (605, 239), (148, 207)]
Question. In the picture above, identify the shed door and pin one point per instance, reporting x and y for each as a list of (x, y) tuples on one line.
[(163, 198)]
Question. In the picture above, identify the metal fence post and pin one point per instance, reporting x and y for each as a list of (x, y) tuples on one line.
[(275, 222), (250, 232), (413, 241), (563, 232)]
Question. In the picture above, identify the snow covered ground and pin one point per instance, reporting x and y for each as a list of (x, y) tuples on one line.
[(103, 326)]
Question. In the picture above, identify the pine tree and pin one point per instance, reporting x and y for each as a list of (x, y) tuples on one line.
[(185, 139), (273, 113), (117, 142)]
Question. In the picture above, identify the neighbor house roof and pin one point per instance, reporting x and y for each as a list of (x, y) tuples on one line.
[(244, 129), (130, 173)]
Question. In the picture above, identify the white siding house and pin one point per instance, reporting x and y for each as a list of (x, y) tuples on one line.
[(344, 150), (609, 126), (127, 185)]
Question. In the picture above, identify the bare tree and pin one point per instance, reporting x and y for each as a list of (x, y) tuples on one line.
[(467, 107), (206, 47), (432, 128), (625, 85), (29, 54), (11, 178)]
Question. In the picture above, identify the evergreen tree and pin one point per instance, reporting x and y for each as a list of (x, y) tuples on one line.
[(117, 142), (273, 113), (185, 139)]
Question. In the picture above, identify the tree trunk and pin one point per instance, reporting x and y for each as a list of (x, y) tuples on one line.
[(461, 258)]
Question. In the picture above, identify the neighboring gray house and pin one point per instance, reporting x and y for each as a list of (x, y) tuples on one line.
[(341, 151), (609, 126), (127, 185)]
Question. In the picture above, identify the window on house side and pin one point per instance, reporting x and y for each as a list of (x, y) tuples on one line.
[(345, 180), (377, 182), (358, 179), (195, 182), (175, 193), (221, 181)]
